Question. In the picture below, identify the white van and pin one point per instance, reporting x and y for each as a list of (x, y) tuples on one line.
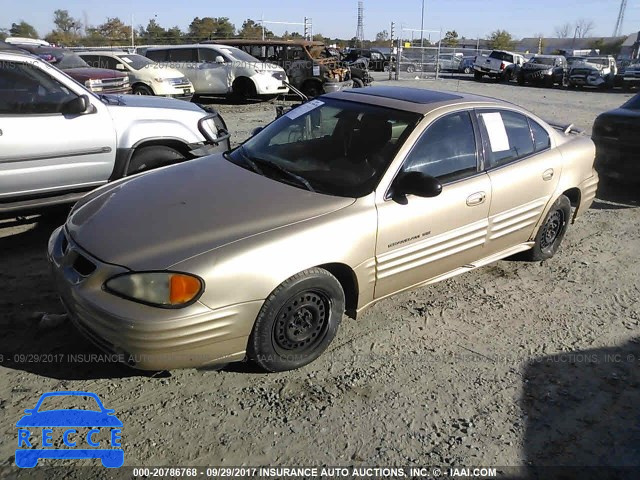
[(146, 77), (222, 70)]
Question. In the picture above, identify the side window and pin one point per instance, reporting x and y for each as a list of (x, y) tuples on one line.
[(183, 55), (507, 137), (157, 55), (25, 89), (446, 150), (92, 60), (207, 55), (108, 62), (541, 140)]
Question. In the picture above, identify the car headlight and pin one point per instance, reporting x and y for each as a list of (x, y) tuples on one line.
[(159, 289)]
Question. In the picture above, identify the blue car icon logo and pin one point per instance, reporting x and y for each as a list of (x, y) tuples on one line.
[(84, 433)]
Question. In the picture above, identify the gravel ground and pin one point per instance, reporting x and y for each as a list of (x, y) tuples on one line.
[(514, 364)]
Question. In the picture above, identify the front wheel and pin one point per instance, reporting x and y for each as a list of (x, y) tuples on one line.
[(297, 322), (477, 76), (154, 156), (552, 231), (411, 69), (142, 90), (358, 83)]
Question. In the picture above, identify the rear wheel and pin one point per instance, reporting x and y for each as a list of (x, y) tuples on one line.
[(154, 156), (477, 76), (411, 69), (552, 231), (297, 321)]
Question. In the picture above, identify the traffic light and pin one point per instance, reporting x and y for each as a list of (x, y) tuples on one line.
[(393, 33)]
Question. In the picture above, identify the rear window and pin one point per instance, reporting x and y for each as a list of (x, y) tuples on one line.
[(505, 57)]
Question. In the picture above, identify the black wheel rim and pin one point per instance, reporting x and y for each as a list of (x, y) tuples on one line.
[(552, 229), (302, 323)]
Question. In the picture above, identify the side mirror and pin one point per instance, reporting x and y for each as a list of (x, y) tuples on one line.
[(256, 131), (219, 59), (76, 106), (120, 66), (418, 184)]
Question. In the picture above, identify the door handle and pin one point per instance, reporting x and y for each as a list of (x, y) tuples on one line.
[(476, 199), (547, 174)]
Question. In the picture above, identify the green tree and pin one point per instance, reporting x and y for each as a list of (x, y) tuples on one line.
[(153, 33), (252, 29), (65, 23), (210, 27), (4, 33), (501, 40), (382, 37), (23, 29), (451, 38), (112, 32)]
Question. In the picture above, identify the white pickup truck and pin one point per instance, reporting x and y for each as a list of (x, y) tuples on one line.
[(500, 64), (58, 140)]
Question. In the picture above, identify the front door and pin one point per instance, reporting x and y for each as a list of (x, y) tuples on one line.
[(43, 150), (422, 238)]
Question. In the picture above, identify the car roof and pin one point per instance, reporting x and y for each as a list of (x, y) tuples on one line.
[(191, 45), (417, 100), (246, 41), (105, 52)]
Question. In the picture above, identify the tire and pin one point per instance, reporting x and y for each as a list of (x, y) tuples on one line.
[(155, 156), (142, 90), (243, 89), (357, 83), (552, 231), (506, 76), (548, 82), (311, 89), (520, 80), (477, 76), (297, 322), (411, 69), (467, 70)]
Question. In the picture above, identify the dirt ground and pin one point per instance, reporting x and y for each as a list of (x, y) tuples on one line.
[(514, 364)]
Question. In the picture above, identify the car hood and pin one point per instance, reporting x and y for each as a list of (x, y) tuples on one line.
[(158, 71), (619, 114), (90, 73), (147, 101), (157, 219), (69, 418)]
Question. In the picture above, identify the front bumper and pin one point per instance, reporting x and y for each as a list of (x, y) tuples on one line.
[(330, 87), (144, 337), (581, 80)]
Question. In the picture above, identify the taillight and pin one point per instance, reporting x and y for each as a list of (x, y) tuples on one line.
[(502, 65)]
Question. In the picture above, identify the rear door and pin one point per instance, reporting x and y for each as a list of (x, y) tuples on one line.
[(42, 150), (524, 171)]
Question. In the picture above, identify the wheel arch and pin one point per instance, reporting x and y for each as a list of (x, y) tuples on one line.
[(124, 155), (349, 282), (142, 84)]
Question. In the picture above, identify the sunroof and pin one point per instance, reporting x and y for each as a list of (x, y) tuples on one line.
[(407, 94)]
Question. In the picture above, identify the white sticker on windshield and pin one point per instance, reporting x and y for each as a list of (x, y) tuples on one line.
[(498, 138), (304, 108), (128, 60)]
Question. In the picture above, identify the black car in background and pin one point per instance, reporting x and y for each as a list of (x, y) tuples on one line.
[(615, 134), (376, 60), (544, 70)]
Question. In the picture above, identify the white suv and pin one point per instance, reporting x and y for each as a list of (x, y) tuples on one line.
[(146, 77), (222, 70)]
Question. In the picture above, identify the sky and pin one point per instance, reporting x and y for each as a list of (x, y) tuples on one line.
[(338, 18)]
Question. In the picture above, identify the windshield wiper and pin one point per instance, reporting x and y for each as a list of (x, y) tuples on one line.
[(246, 160), (281, 169)]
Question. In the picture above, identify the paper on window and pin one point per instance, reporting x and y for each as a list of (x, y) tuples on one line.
[(498, 139), (125, 59), (304, 108)]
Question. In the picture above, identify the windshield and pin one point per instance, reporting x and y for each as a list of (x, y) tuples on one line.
[(598, 61), (69, 60), (136, 61), (238, 54), (328, 146), (542, 60)]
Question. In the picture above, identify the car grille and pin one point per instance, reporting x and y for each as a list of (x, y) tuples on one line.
[(108, 85), (279, 75)]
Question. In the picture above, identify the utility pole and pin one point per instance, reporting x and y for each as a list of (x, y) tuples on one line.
[(391, 51), (421, 39)]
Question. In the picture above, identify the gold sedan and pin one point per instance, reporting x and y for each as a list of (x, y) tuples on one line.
[(339, 203)]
